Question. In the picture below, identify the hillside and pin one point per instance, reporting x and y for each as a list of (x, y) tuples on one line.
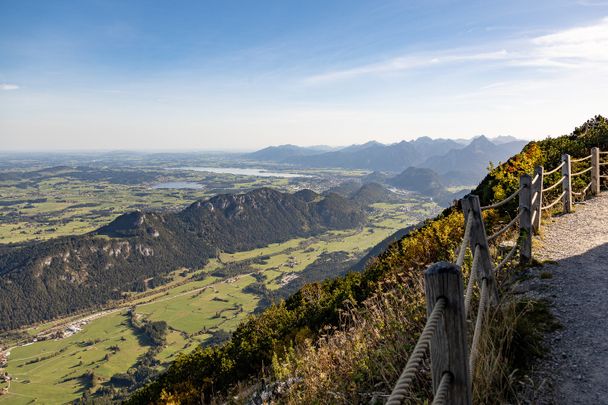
[(366, 193), (371, 193), (425, 182), (368, 319), (44, 280)]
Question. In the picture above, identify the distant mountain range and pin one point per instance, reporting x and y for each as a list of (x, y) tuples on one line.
[(44, 280), (372, 155), (286, 152), (469, 165), (456, 163)]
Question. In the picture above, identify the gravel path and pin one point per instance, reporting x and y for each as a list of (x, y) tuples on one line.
[(576, 369)]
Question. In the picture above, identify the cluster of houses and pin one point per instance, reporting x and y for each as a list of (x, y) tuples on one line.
[(67, 331)]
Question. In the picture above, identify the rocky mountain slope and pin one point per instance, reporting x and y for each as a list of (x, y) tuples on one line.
[(48, 279)]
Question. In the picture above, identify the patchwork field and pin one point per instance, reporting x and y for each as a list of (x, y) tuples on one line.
[(62, 360), (198, 307), (47, 203)]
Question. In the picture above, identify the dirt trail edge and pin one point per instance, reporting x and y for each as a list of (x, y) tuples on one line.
[(575, 280)]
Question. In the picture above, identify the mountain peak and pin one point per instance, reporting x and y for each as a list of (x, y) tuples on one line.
[(423, 139), (481, 142)]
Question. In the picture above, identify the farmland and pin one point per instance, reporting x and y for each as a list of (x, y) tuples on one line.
[(62, 360)]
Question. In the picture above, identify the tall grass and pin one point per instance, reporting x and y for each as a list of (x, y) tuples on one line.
[(360, 361)]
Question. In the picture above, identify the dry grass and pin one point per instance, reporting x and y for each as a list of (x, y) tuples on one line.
[(511, 340), (359, 362)]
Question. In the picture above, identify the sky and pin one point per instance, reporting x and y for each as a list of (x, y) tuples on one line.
[(241, 75)]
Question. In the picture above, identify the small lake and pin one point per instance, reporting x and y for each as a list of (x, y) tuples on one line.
[(241, 171), (179, 184)]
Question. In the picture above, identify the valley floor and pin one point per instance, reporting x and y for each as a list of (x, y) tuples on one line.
[(198, 306)]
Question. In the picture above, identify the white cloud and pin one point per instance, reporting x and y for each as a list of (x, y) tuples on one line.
[(401, 64), (8, 86), (575, 46), (571, 48)]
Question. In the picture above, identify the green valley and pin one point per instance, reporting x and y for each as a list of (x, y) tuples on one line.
[(105, 350)]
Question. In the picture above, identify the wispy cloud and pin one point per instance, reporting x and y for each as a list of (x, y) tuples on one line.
[(8, 86), (405, 63), (581, 45), (571, 48)]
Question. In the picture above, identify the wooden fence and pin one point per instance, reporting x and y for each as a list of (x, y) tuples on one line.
[(445, 334)]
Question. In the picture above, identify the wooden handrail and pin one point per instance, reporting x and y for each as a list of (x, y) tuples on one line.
[(451, 367)]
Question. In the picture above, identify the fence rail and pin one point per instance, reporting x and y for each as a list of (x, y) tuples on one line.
[(445, 334)]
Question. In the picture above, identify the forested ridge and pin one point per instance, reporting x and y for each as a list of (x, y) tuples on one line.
[(41, 281), (284, 340)]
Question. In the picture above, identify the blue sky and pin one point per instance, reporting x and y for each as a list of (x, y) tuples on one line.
[(245, 74)]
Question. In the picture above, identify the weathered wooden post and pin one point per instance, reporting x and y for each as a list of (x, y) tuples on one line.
[(449, 349), (567, 183), (472, 212), (595, 171), (537, 197), (525, 220)]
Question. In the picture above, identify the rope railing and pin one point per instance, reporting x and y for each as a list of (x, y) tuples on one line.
[(558, 199), (587, 188), (502, 202), (535, 179), (505, 228), (555, 170), (551, 187), (483, 300), (453, 360), (581, 172), (506, 259), (415, 359), (534, 214), (463, 246), (581, 159), (583, 192), (534, 197), (471, 283), (441, 396)]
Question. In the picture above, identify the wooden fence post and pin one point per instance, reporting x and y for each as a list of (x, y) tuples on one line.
[(537, 205), (472, 212), (595, 171), (525, 221), (449, 348), (567, 183)]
